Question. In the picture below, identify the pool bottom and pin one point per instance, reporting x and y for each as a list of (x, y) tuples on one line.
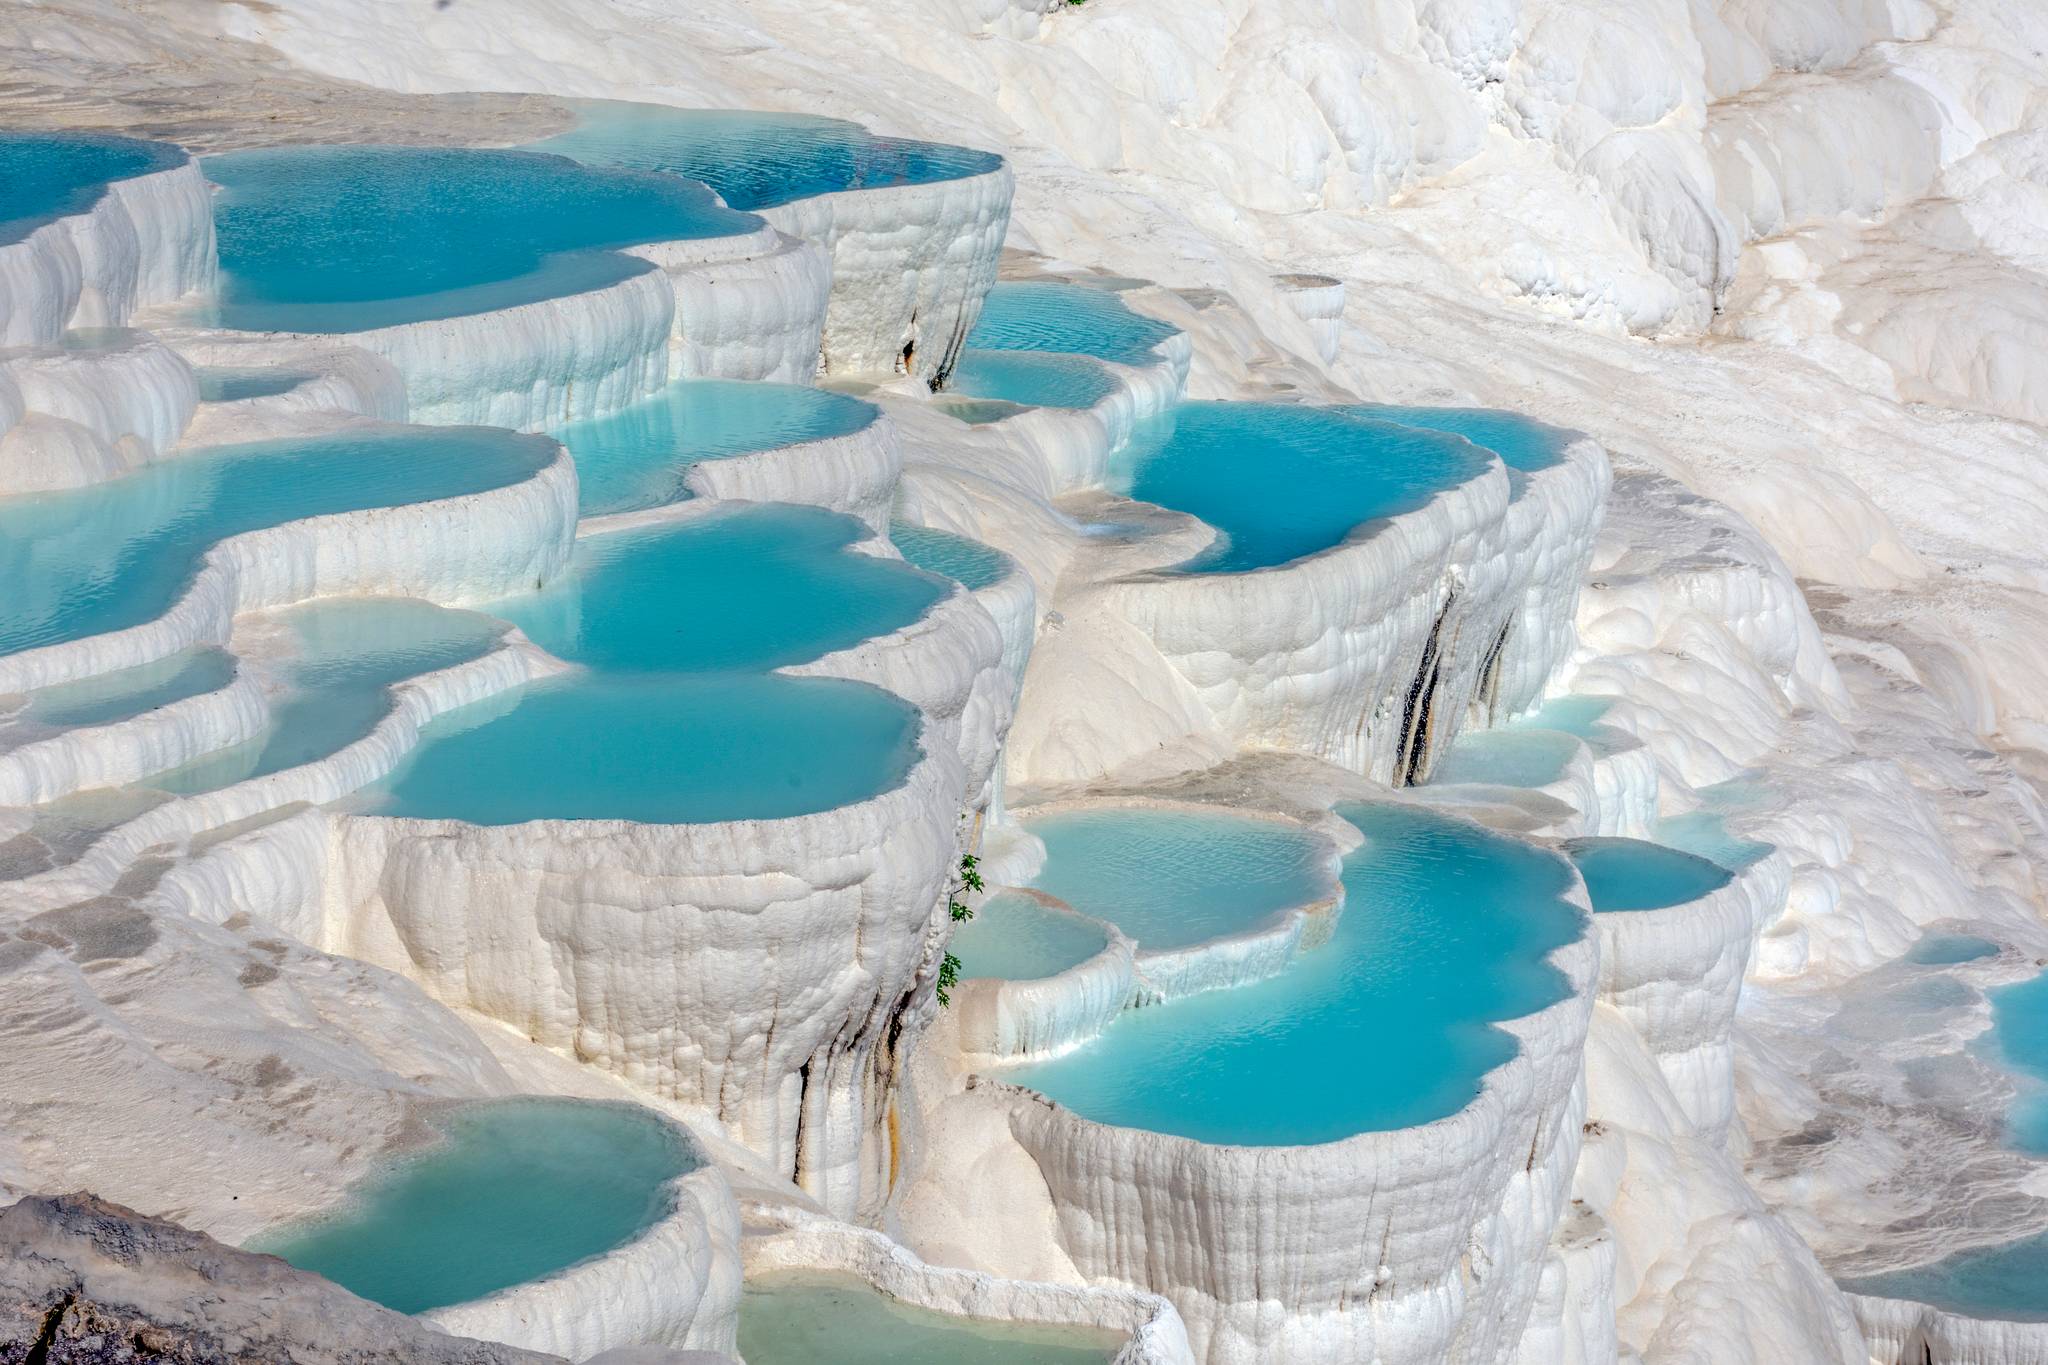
[(796, 1317)]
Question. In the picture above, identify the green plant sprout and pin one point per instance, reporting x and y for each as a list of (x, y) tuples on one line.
[(970, 880)]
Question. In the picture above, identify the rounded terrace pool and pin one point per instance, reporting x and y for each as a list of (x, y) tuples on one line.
[(55, 175), (1031, 380), (1018, 937), (346, 239), (1511, 756), (1635, 874), (1282, 482), (757, 160), (1072, 319), (969, 563), (1524, 444), (811, 1317), (640, 456), (1446, 929), (513, 1191), (674, 716)]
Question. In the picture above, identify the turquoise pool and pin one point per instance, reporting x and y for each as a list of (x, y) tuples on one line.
[(349, 653), (809, 1317), (1635, 874), (514, 1191), (344, 239), (2008, 1282), (639, 456), (232, 384), (757, 160), (1947, 950), (969, 563), (1175, 878), (1513, 756), (674, 717), (1283, 482), (1075, 319), (54, 175), (1445, 931), (86, 561), (1015, 937), (1704, 833), (2018, 1041), (129, 692), (1030, 379), (1523, 444)]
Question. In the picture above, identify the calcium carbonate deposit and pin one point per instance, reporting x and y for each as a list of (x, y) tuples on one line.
[(1259, 683)]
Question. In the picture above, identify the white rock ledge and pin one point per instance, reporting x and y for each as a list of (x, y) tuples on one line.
[(1902, 1332), (855, 473), (809, 1242), (1002, 1020), (76, 415)]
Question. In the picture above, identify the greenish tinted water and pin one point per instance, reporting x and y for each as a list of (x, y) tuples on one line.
[(1705, 834), (1510, 757), (1175, 878), (969, 563), (515, 1191), (90, 560), (757, 160), (131, 691), (1043, 315), (1634, 874), (1946, 950), (1018, 938), (1030, 379), (344, 239), (1445, 930), (1284, 482), (228, 384), (54, 175), (640, 456), (818, 1318)]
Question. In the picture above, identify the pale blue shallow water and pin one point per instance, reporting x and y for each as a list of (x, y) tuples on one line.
[(820, 1318), (1705, 833), (1513, 756), (344, 239), (1635, 874), (677, 720), (231, 384), (1282, 482), (639, 456), (2007, 1282), (2018, 1041), (969, 563), (1174, 878), (131, 691), (1946, 950), (1523, 444), (516, 1191), (757, 160), (1043, 315), (350, 653), (1445, 930), (1017, 938), (54, 175), (1031, 379), (90, 560)]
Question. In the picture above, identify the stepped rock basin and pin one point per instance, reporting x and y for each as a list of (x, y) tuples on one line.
[(1015, 936), (56, 175), (1524, 444), (814, 1317), (237, 384), (1635, 874), (969, 563), (353, 239), (1322, 475), (1948, 950), (1511, 756), (511, 1191), (115, 556), (1445, 930), (645, 455), (914, 229), (1069, 319), (1026, 379), (675, 715)]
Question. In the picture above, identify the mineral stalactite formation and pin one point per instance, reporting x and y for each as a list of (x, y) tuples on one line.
[(1129, 682)]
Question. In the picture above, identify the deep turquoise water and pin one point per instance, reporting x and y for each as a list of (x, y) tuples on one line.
[(131, 691), (2018, 1041), (1513, 756), (1041, 315), (54, 175), (757, 160), (677, 719), (820, 1318), (229, 384), (350, 652), (1635, 874), (1445, 930), (639, 456), (1946, 950), (90, 560), (2009, 1282), (1174, 878), (1031, 379), (343, 239), (1282, 482), (1523, 444), (516, 1191), (1016, 938), (969, 563)]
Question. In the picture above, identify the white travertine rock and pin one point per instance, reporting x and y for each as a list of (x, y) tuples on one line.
[(1320, 301), (855, 473), (749, 306), (146, 241), (47, 767), (1901, 1332), (87, 413), (1051, 1015)]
